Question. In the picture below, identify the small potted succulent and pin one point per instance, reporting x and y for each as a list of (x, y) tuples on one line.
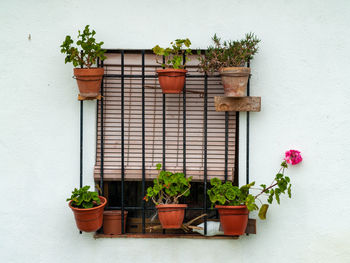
[(234, 203), (165, 193), (172, 77), (87, 207), (83, 56), (229, 59)]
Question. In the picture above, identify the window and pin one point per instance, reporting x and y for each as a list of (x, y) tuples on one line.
[(181, 131)]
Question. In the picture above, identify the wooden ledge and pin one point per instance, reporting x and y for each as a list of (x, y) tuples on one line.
[(98, 97), (190, 236), (251, 229), (238, 103)]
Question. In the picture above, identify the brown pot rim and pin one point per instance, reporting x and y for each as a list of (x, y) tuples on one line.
[(104, 202), (92, 68), (230, 206), (231, 68), (172, 206), (244, 71), (172, 70), (114, 212), (89, 71)]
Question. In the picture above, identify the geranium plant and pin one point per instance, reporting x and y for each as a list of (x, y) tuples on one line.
[(168, 187), (228, 53), (227, 194), (174, 54), (83, 198), (87, 50)]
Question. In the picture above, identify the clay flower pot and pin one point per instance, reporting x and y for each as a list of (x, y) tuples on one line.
[(89, 219), (233, 219), (112, 222), (171, 215), (235, 80), (172, 80), (89, 81)]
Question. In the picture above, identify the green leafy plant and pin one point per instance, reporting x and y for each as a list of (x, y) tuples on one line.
[(168, 187), (228, 53), (227, 194), (87, 51), (174, 54), (82, 198)]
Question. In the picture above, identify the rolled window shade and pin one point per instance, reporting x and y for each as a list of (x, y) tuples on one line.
[(154, 124)]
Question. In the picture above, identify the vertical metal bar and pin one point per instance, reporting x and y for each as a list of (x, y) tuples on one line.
[(164, 124), (226, 143), (122, 139), (81, 138), (143, 143), (236, 173), (247, 146), (102, 140), (205, 147), (184, 121), (81, 135), (81, 142)]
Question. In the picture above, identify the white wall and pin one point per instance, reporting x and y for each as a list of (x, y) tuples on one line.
[(301, 72)]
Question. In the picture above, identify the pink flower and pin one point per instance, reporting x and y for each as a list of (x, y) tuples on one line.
[(293, 157)]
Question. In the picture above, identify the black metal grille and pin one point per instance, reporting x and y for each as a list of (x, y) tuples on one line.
[(143, 76)]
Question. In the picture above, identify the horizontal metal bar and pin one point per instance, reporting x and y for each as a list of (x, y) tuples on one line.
[(151, 208), (138, 51), (151, 76)]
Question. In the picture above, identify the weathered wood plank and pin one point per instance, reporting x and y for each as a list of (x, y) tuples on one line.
[(251, 227), (237, 104), (191, 236), (98, 97)]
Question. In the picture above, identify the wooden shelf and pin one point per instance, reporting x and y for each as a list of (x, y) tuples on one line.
[(98, 97), (190, 236), (251, 229), (237, 103)]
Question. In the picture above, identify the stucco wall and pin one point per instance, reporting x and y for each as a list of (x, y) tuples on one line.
[(301, 72)]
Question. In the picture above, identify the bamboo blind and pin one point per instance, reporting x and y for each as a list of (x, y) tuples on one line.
[(154, 124)]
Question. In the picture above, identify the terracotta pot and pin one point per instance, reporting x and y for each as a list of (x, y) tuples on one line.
[(112, 222), (235, 81), (172, 215), (89, 80), (89, 219), (233, 219), (172, 80)]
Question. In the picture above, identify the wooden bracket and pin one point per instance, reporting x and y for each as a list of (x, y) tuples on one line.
[(98, 97), (238, 103)]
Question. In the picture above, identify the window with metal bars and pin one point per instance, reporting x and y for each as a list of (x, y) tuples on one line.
[(139, 126)]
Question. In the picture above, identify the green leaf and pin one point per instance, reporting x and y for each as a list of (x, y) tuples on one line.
[(263, 211), (290, 191)]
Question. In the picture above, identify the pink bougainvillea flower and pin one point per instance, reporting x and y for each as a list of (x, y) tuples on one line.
[(293, 157)]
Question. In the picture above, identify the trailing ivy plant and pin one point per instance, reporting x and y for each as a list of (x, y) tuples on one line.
[(174, 54), (228, 53), (82, 198), (168, 187), (227, 194), (87, 50)]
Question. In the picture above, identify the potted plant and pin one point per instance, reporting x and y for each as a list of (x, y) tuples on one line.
[(87, 207), (234, 203), (172, 77), (85, 55), (229, 59), (112, 222), (167, 189)]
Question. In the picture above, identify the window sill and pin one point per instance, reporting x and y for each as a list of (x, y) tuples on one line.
[(189, 236)]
